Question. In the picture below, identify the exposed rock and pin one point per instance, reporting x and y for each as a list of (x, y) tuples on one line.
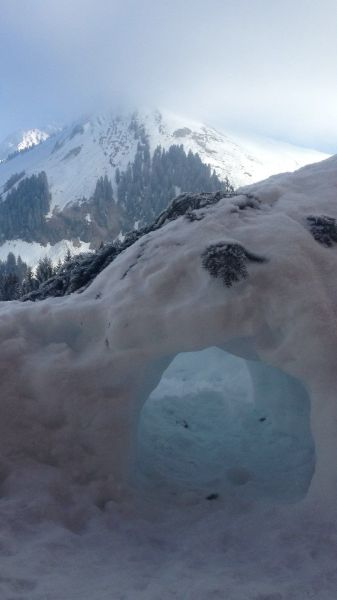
[(323, 229), (228, 262)]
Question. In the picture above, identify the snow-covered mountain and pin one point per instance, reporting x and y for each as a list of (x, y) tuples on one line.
[(75, 158), (22, 140), (94, 146)]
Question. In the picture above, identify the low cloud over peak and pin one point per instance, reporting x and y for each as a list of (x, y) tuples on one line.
[(256, 66)]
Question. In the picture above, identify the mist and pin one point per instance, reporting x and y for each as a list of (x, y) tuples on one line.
[(252, 66)]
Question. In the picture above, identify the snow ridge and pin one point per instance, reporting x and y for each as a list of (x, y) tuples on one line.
[(21, 141), (96, 145)]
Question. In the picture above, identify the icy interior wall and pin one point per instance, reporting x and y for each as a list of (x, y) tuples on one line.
[(216, 420), (253, 273)]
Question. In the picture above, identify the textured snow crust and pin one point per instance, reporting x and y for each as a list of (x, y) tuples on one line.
[(116, 482)]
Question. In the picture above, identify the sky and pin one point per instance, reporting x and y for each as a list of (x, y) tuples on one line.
[(266, 67)]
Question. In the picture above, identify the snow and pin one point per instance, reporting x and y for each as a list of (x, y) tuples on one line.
[(31, 252), (105, 494), (75, 158), (94, 146), (23, 140), (203, 427), (32, 138), (243, 160), (121, 237)]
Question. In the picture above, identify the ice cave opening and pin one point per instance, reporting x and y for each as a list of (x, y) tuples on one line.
[(216, 421)]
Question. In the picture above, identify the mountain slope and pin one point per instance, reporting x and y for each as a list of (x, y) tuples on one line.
[(75, 158), (125, 150)]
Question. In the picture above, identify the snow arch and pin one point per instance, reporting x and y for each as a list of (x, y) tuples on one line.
[(216, 420), (253, 274)]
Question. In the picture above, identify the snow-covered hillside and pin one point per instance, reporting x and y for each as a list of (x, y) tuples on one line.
[(76, 157), (31, 252), (205, 352)]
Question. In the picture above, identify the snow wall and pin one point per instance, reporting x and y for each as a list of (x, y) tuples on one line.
[(253, 275)]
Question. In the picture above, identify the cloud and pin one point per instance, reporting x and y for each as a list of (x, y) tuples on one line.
[(261, 66)]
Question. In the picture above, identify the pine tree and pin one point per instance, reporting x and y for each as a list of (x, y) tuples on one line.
[(10, 288), (29, 283), (58, 266), (44, 270), (23, 210), (149, 184), (68, 256)]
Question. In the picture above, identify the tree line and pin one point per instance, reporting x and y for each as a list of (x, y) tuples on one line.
[(23, 211), (144, 189), (148, 184), (18, 279)]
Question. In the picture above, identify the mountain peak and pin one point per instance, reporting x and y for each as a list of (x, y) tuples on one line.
[(24, 139), (108, 172), (96, 145)]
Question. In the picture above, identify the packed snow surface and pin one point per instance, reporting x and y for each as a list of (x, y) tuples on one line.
[(171, 431)]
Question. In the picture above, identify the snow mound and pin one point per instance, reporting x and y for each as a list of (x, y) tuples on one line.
[(246, 273), (253, 276)]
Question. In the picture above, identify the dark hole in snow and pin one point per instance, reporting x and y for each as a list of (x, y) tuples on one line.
[(183, 423), (213, 496), (220, 397)]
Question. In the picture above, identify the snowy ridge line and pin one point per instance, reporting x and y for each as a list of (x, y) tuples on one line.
[(77, 156), (80, 271), (21, 141)]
